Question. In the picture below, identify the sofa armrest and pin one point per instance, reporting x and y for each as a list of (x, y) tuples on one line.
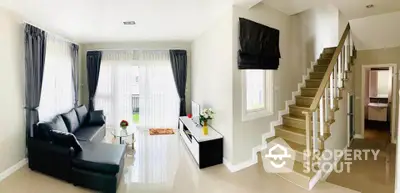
[(50, 159), (45, 147)]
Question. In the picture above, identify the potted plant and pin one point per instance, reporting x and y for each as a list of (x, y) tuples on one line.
[(206, 115), (124, 124)]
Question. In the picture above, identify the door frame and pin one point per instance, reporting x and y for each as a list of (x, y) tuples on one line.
[(349, 95), (393, 112)]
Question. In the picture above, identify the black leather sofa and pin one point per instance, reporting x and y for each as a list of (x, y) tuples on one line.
[(70, 148)]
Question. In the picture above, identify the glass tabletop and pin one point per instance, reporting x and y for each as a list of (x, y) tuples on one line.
[(119, 132)]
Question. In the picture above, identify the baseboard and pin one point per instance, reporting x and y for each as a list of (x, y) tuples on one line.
[(254, 160), (358, 136), (237, 167), (12, 169)]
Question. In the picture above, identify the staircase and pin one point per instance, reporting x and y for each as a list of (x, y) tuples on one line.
[(307, 125)]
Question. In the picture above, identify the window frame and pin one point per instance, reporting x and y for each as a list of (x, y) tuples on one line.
[(268, 86)]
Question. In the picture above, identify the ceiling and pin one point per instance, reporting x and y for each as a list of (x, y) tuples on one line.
[(376, 32), (352, 9), (87, 21)]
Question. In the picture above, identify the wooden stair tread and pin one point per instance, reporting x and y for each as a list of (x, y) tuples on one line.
[(304, 97), (289, 116), (299, 107), (298, 130), (306, 88), (295, 146), (313, 80), (299, 168)]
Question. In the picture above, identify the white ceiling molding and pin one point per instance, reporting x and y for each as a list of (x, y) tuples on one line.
[(247, 3)]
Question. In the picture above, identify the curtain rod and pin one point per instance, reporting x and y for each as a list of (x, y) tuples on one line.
[(51, 33), (133, 49)]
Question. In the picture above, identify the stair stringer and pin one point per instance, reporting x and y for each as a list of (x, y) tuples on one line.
[(292, 101)]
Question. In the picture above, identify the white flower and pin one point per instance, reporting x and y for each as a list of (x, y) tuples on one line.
[(206, 116)]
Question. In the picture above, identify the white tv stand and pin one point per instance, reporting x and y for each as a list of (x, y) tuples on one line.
[(207, 150)]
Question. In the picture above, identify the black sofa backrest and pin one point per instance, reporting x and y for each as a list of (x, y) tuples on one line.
[(71, 120)]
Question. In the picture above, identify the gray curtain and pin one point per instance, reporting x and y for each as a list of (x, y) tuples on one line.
[(179, 69), (35, 51), (75, 72), (93, 60)]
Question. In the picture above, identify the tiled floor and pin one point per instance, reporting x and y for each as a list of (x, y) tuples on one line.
[(161, 164), (370, 176)]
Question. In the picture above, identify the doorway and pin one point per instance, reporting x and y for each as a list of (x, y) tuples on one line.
[(378, 99)]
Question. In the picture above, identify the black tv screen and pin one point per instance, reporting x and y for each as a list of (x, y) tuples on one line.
[(259, 46)]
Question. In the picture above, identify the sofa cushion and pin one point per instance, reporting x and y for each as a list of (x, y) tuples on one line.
[(90, 133), (82, 113), (100, 157), (71, 120), (96, 118), (65, 139), (59, 124)]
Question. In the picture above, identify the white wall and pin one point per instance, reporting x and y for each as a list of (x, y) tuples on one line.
[(131, 46), (212, 76), (339, 134), (247, 135), (314, 30), (12, 137)]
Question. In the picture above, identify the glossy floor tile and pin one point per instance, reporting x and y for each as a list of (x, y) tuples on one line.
[(370, 176), (162, 164)]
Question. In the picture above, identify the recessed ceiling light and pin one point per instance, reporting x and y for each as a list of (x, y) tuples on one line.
[(369, 6), (129, 22)]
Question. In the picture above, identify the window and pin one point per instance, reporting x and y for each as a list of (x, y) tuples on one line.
[(57, 87), (137, 86), (257, 94)]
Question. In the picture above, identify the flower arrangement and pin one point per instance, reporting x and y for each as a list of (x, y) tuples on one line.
[(205, 115), (123, 124)]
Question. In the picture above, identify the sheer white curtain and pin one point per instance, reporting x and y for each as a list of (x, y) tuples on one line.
[(137, 86), (117, 84), (159, 101), (57, 89)]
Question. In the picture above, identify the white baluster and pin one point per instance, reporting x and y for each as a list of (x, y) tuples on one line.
[(339, 73), (321, 116), (326, 103), (335, 82), (347, 53), (351, 44), (331, 90), (315, 130)]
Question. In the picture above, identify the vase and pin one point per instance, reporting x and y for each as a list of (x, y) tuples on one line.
[(205, 128), (124, 127)]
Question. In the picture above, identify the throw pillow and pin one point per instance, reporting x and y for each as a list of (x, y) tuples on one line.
[(81, 112), (96, 118), (66, 139), (71, 120), (58, 124)]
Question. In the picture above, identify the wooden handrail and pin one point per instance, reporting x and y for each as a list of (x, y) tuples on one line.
[(329, 71)]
